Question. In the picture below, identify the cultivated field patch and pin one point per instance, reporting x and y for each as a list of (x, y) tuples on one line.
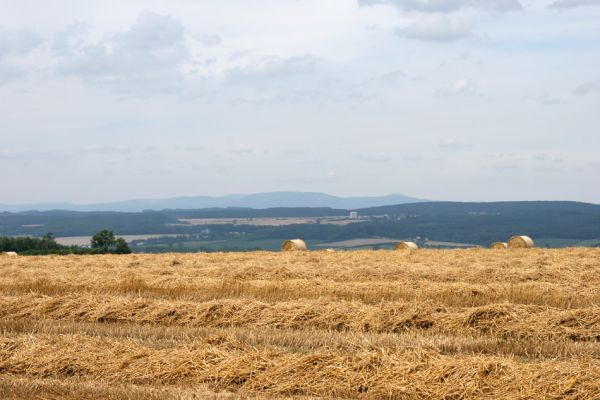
[(472, 323)]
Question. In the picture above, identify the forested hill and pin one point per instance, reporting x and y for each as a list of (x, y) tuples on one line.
[(549, 219), (502, 208), (278, 212), (476, 223), (252, 201)]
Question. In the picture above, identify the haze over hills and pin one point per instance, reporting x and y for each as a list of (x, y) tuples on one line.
[(256, 201), (550, 223)]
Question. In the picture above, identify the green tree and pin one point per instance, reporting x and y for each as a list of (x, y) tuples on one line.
[(49, 242), (104, 241), (121, 247), (49, 236)]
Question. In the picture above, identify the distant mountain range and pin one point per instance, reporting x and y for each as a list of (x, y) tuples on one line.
[(256, 201), (550, 223)]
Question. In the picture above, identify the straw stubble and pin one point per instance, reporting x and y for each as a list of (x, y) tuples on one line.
[(433, 324)]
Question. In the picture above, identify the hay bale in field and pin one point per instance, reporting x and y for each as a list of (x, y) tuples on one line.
[(407, 246), (520, 242), (9, 254), (499, 245), (294, 245)]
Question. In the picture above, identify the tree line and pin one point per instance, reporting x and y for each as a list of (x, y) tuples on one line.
[(103, 242)]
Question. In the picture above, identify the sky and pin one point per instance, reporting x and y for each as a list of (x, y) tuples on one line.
[(465, 100)]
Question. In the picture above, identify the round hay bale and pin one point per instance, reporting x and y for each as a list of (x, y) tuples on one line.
[(499, 245), (407, 246), (520, 242), (9, 254), (294, 245)]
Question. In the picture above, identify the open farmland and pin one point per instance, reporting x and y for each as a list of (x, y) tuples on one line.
[(473, 323), (269, 221)]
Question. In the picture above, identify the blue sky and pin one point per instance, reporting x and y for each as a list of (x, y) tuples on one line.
[(448, 100)]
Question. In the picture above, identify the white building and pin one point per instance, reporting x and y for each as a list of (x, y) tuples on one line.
[(353, 215)]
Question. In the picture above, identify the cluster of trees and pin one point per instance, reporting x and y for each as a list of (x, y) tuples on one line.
[(106, 242), (27, 244), (475, 223), (71, 223), (103, 242)]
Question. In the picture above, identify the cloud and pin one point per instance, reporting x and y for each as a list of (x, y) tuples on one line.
[(412, 157), (393, 77), (567, 4), (552, 101), (587, 88), (459, 87), (437, 28), (545, 157), (192, 148), (145, 60), (241, 149), (274, 69), (69, 39), (17, 42), (296, 151), (211, 40), (62, 154), (446, 6), (453, 144), (10, 73), (377, 158), (103, 150), (594, 165), (274, 79)]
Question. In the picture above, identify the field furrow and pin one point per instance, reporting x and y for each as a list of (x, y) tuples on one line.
[(227, 365), (429, 324)]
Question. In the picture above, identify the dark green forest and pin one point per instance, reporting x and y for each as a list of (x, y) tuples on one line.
[(103, 242), (473, 223)]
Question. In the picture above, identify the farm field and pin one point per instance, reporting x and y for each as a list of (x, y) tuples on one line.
[(269, 221), (85, 240), (472, 323), (359, 242)]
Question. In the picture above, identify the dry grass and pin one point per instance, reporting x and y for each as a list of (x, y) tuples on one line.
[(429, 324)]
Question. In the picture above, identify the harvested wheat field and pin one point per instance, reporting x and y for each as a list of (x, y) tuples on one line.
[(455, 324)]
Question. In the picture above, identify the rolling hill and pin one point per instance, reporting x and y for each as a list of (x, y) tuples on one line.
[(257, 201)]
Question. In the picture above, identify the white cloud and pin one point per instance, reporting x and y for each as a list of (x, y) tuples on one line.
[(546, 157), (445, 6), (412, 157), (453, 143), (295, 151), (274, 79), (459, 87), (9, 73), (70, 38), (308, 79), (17, 42), (437, 28), (145, 60), (588, 88), (552, 101), (211, 40), (380, 157), (393, 77), (242, 149), (566, 4), (273, 69), (59, 154)]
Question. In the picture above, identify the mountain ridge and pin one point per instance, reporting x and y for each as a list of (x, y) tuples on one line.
[(256, 201)]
